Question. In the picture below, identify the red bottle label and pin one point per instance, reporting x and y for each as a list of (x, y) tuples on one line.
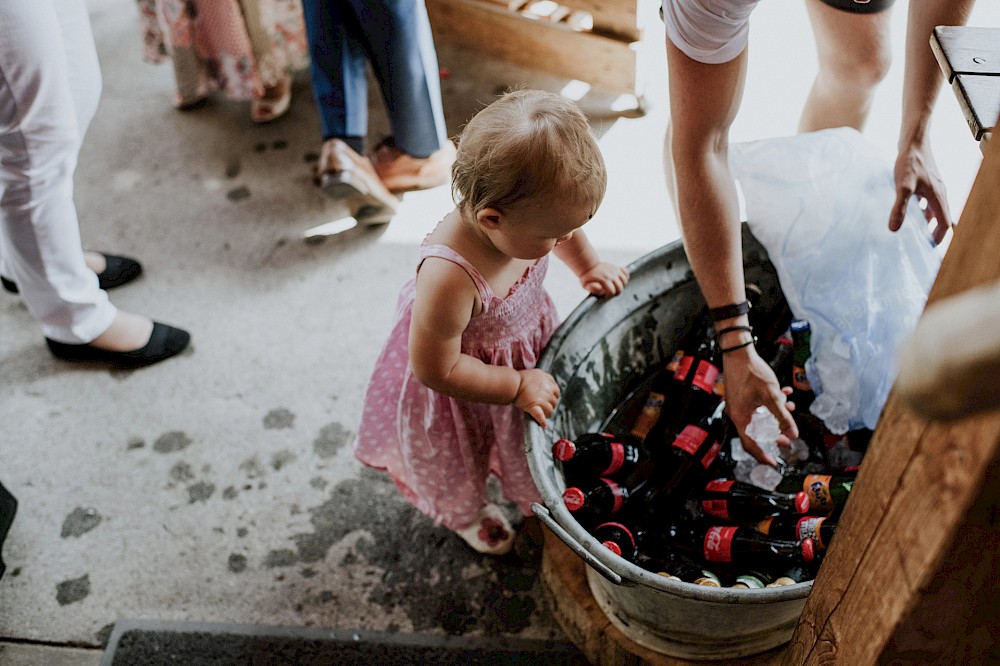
[(704, 375), (617, 494), (563, 449), (710, 455), (717, 507), (817, 486), (808, 528), (617, 458), (719, 543), (690, 439)]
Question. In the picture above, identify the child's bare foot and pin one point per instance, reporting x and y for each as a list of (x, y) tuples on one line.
[(274, 102), (490, 533)]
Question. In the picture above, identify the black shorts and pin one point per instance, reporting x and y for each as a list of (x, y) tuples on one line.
[(860, 6)]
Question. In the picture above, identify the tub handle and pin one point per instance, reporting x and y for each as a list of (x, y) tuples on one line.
[(564, 536)]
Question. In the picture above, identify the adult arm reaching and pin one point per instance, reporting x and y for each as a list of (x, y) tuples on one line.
[(704, 99), (916, 172)]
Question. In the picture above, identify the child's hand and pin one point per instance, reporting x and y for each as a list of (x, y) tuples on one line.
[(605, 279), (537, 395)]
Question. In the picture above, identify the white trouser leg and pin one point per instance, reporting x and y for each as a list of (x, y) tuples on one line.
[(50, 84)]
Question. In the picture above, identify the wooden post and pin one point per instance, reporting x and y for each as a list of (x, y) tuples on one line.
[(912, 573)]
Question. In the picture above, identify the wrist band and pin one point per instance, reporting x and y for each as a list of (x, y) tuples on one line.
[(749, 342), (732, 329), (730, 311)]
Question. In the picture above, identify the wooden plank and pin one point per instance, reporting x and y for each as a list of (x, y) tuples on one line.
[(606, 64), (616, 18), (914, 489), (966, 50), (941, 629), (979, 98)]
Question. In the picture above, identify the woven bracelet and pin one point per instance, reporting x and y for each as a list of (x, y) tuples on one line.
[(739, 346)]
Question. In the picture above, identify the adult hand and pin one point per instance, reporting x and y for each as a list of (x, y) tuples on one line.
[(750, 383), (916, 173), (537, 395)]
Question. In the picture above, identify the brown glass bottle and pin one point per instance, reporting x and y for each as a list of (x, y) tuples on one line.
[(595, 499), (682, 466), (818, 528), (597, 454), (827, 492), (738, 545), (733, 501)]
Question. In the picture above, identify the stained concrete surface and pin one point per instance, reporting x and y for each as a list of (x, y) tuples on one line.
[(220, 486)]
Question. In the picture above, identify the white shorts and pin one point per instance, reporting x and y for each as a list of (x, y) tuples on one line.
[(709, 31)]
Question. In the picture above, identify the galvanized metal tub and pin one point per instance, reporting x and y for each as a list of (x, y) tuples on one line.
[(599, 356)]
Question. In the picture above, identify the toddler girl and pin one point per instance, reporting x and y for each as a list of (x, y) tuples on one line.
[(442, 408)]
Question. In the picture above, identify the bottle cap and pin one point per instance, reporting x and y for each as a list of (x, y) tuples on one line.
[(781, 582), (801, 501), (563, 449), (799, 325), (573, 498), (706, 581), (749, 581), (613, 547), (808, 549)]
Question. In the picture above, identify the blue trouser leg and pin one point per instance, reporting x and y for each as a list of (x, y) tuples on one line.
[(396, 37)]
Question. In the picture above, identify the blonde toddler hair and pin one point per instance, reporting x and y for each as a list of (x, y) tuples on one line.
[(525, 145)]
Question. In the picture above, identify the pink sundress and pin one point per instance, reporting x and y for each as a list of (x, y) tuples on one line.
[(438, 450)]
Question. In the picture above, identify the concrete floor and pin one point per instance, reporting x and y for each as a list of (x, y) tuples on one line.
[(220, 486)]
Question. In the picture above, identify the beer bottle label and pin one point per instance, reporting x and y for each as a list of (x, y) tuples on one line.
[(764, 526), (675, 361), (799, 379), (808, 528), (718, 545), (649, 415), (717, 507), (817, 486), (617, 458), (690, 439), (710, 455), (704, 374)]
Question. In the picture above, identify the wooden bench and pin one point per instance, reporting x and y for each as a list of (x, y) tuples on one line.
[(586, 40), (970, 59)]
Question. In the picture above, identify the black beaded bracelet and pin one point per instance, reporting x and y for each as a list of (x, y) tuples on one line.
[(749, 342), (730, 311)]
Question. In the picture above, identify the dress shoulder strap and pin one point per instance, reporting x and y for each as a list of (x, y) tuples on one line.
[(444, 252)]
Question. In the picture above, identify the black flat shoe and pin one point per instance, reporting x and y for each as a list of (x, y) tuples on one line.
[(8, 507), (117, 271), (165, 341)]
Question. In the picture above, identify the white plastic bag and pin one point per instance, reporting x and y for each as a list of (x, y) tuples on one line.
[(819, 203)]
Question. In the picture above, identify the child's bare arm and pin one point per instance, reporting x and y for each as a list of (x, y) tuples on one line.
[(598, 277), (444, 304)]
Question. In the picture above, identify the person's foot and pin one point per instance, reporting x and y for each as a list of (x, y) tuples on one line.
[(274, 103), (490, 533), (132, 341), (112, 270), (343, 174), (403, 173)]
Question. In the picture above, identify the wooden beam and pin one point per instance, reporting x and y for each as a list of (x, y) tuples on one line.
[(918, 484), (605, 63)]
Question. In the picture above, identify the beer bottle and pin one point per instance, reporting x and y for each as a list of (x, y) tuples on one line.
[(781, 360), (818, 528), (691, 392), (737, 502), (827, 492), (595, 499), (617, 538), (683, 464), (738, 545), (596, 454), (802, 393)]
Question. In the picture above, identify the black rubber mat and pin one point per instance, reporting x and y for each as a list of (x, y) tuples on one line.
[(159, 643)]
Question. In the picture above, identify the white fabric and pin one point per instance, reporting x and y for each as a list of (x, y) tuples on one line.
[(709, 31), (50, 84)]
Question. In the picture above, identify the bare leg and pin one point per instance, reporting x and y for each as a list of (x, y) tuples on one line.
[(854, 56)]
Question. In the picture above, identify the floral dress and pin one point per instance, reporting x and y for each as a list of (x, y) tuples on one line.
[(237, 46), (439, 450)]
